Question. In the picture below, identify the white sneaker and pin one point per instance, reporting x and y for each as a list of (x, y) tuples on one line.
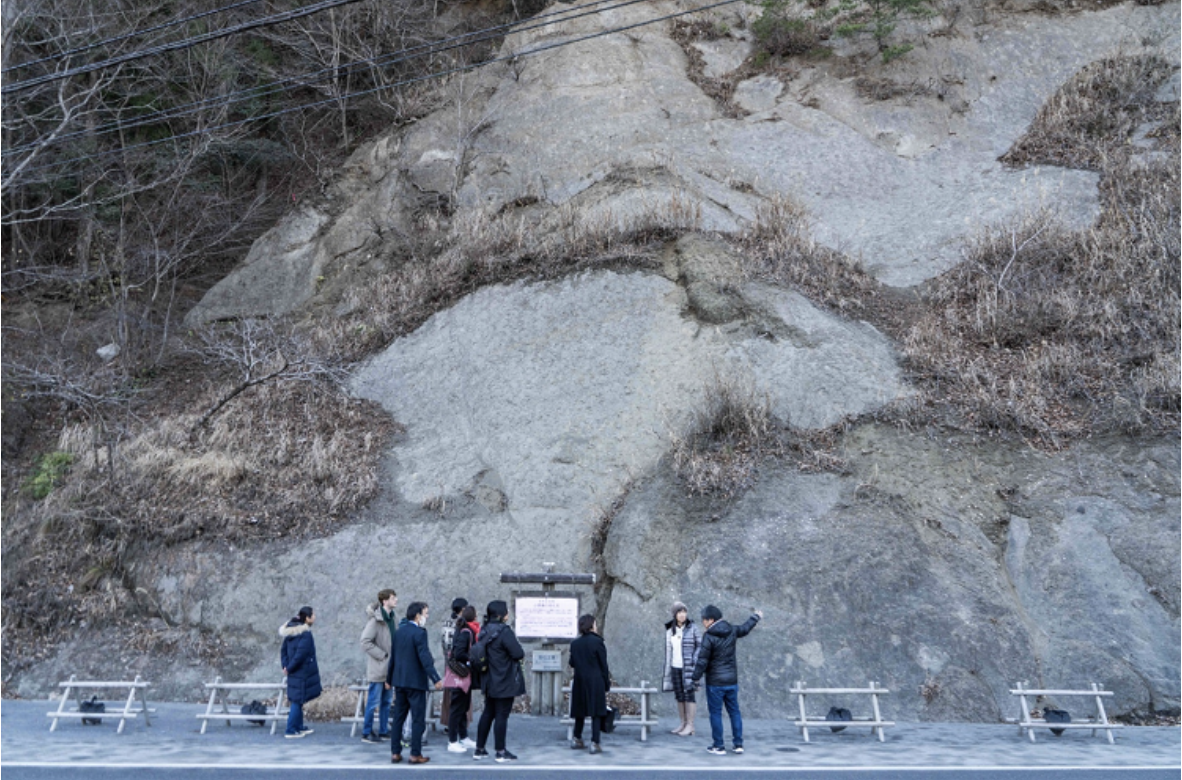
[(456, 747), (468, 742)]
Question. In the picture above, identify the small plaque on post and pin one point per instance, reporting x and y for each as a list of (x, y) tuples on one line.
[(547, 661)]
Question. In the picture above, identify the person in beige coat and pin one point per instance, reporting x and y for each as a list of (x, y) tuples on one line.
[(376, 641)]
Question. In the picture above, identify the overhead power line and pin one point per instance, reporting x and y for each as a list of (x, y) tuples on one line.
[(360, 93), (185, 43), (265, 90), (134, 34)]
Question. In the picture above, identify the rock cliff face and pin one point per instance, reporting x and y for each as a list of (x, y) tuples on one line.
[(539, 415), (614, 127), (953, 566)]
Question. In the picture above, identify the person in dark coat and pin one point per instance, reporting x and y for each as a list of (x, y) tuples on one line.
[(412, 673), (463, 637), (502, 683), (592, 681), (298, 658), (718, 663)]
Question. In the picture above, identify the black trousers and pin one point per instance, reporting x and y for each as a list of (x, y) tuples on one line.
[(498, 710), (457, 714), (414, 702), (595, 723)]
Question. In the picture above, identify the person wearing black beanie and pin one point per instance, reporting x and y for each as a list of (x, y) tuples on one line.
[(717, 662)]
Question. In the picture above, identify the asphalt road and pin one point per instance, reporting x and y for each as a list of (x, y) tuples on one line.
[(174, 747), (87, 772)]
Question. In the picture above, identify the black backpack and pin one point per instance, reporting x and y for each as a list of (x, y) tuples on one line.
[(838, 713), (256, 707), (1056, 716), (92, 706), (608, 725), (478, 655)]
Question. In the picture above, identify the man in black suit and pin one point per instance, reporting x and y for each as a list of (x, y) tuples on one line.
[(411, 673)]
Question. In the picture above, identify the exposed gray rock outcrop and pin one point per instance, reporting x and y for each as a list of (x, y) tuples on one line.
[(917, 571), (896, 184), (569, 390)]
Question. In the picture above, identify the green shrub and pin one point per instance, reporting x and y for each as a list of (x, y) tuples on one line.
[(879, 20), (47, 474), (782, 34)]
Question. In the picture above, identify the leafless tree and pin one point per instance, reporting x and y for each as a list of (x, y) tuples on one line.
[(256, 351)]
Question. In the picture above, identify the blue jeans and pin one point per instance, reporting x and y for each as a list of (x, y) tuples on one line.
[(377, 700), (295, 718), (413, 702), (716, 696)]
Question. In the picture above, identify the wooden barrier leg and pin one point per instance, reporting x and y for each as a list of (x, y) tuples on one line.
[(804, 729), (61, 707), (144, 701), (877, 713), (644, 712), (1103, 715), (1025, 719), (213, 694), (224, 699), (278, 708), (359, 712), (127, 707)]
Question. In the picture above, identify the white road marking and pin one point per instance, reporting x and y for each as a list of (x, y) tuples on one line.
[(614, 768)]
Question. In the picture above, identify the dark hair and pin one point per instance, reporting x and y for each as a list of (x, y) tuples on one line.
[(385, 593), (304, 614), (496, 611), (467, 615), (711, 612), (586, 624), (415, 609), (458, 604)]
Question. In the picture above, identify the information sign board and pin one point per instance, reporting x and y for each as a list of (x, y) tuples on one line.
[(553, 617)]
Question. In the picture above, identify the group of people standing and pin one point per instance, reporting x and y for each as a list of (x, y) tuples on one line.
[(400, 670), (400, 664)]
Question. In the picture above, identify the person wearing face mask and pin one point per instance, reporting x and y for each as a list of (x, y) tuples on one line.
[(682, 643), (412, 673), (298, 657)]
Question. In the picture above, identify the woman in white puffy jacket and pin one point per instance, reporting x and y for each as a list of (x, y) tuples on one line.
[(682, 643)]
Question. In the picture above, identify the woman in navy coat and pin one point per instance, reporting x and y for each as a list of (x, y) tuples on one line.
[(592, 681), (298, 656)]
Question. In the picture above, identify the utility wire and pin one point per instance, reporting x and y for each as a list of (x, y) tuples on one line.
[(133, 34), (437, 74), (264, 90), (185, 43)]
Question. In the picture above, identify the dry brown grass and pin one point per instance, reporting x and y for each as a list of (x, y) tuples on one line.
[(1055, 333), (1091, 117), (733, 431), (728, 435), (285, 460), (335, 702), (780, 250), (483, 249), (876, 88)]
